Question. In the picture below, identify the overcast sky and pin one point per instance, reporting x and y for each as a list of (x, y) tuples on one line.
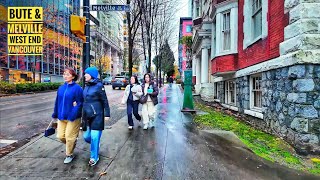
[(183, 12)]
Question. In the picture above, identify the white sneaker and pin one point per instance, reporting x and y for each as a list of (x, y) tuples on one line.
[(68, 159), (130, 127), (145, 127)]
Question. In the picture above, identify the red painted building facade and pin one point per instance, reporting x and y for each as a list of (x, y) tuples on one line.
[(261, 50), (264, 64)]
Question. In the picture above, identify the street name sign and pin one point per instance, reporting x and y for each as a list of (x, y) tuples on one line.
[(110, 8)]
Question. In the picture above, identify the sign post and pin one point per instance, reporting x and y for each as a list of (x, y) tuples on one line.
[(110, 8), (86, 8)]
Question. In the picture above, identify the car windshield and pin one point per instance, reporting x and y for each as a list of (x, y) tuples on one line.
[(119, 77)]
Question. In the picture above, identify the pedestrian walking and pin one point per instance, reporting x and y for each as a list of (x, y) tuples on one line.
[(131, 97), (170, 81), (150, 89), (95, 111), (67, 109)]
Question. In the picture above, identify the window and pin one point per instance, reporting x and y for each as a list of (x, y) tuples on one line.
[(226, 39), (226, 29), (230, 92), (255, 24), (188, 28), (215, 90), (257, 18), (256, 92)]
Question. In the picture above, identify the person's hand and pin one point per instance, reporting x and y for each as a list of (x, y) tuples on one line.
[(106, 118), (74, 103)]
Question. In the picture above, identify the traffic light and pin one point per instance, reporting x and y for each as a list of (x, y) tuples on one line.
[(77, 26)]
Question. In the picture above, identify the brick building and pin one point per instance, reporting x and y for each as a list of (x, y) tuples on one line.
[(185, 29), (261, 59)]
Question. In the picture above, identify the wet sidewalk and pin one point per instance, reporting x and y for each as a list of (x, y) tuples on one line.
[(174, 149)]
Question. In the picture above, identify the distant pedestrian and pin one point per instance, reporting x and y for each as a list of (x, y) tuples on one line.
[(149, 108), (131, 97), (67, 110), (95, 111), (170, 81)]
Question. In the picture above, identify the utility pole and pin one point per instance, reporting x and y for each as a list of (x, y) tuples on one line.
[(86, 45)]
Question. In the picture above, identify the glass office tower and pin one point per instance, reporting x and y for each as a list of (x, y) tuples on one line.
[(60, 48)]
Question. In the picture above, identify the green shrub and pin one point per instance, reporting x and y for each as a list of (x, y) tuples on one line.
[(36, 87), (7, 88)]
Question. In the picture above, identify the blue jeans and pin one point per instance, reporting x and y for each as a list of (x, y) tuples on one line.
[(93, 137), (132, 106)]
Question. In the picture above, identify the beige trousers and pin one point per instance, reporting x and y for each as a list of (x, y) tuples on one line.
[(68, 132), (148, 112)]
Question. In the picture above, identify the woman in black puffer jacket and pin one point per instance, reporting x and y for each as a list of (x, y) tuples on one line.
[(95, 111)]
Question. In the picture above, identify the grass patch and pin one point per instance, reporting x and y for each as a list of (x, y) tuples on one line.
[(263, 144)]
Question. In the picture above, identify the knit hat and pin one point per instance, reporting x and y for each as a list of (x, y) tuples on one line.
[(93, 72)]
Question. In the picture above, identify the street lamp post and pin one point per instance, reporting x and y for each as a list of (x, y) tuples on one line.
[(86, 45)]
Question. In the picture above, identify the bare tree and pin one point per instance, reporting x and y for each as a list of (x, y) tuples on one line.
[(164, 29), (155, 20), (134, 18)]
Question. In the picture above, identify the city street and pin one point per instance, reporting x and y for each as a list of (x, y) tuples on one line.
[(238, 96), (25, 116), (174, 149)]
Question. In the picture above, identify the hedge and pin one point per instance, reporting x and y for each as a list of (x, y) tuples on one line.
[(8, 88)]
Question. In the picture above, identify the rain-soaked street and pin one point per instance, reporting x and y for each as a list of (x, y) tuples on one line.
[(174, 149)]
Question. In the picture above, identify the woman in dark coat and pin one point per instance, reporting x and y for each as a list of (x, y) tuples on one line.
[(149, 89), (95, 111)]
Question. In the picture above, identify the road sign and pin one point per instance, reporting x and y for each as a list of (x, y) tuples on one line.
[(110, 8)]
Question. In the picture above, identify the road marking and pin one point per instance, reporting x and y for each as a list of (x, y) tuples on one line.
[(7, 141)]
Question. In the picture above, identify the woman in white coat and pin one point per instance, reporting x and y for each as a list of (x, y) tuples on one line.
[(131, 97)]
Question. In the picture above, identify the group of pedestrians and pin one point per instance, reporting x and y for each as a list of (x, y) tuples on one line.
[(89, 108), (133, 96)]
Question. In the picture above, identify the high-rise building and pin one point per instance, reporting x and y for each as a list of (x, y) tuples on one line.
[(60, 48), (107, 39)]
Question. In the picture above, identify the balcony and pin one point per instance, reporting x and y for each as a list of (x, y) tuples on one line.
[(197, 21), (224, 65), (204, 32)]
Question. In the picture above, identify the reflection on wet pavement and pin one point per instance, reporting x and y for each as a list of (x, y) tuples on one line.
[(175, 149)]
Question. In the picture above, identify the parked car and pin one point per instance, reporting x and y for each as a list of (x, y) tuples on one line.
[(107, 80), (46, 79), (119, 82)]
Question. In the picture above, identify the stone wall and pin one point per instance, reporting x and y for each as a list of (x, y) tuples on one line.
[(206, 92), (291, 105)]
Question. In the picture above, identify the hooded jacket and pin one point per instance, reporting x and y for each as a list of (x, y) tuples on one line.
[(95, 97), (64, 108)]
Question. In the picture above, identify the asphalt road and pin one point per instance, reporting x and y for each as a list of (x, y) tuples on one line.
[(22, 117)]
